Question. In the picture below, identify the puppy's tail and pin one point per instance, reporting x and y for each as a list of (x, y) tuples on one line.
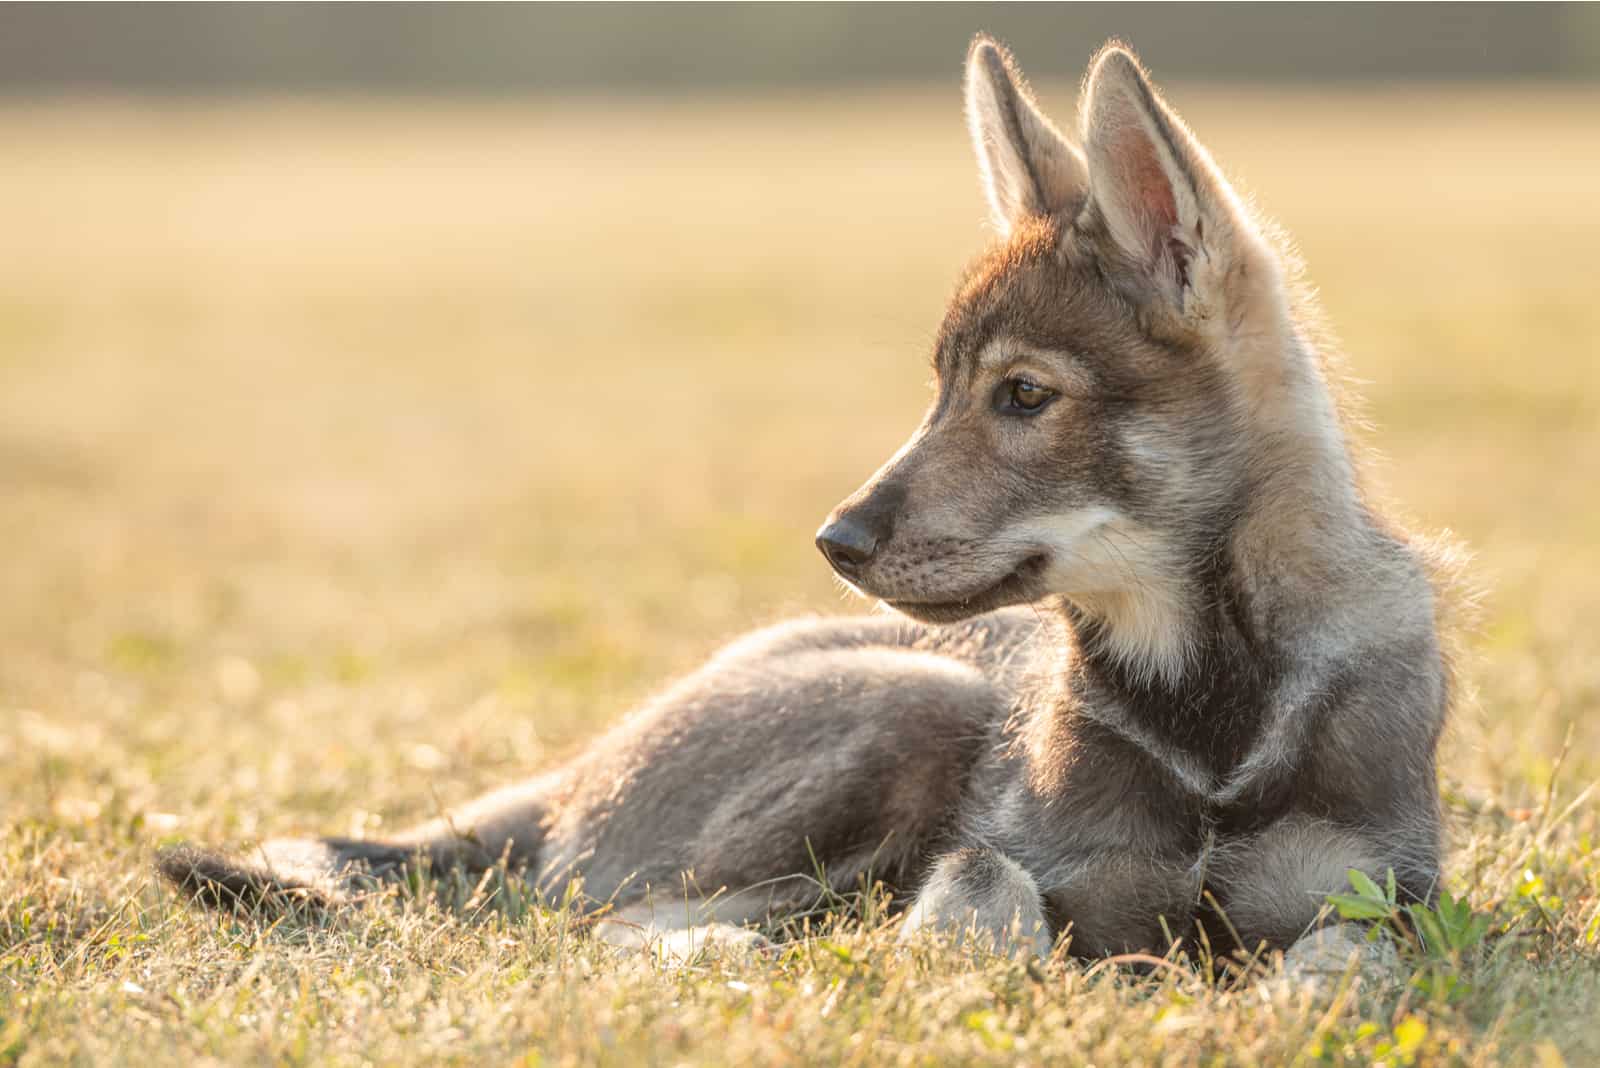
[(311, 875)]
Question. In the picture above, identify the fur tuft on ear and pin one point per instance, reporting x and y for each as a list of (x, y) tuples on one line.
[(1029, 168), (1170, 216)]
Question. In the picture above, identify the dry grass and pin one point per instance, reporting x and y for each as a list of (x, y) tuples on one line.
[(359, 456)]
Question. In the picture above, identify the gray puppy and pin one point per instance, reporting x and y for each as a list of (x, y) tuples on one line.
[(1165, 674)]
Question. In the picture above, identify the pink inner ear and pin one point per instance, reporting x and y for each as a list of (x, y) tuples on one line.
[(1147, 188)]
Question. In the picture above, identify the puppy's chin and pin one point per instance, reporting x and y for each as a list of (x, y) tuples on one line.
[(942, 613), (1023, 584)]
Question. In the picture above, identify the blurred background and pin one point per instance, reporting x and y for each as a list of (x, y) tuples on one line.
[(425, 48), (390, 395)]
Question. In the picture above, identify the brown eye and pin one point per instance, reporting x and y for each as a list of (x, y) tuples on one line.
[(1021, 396)]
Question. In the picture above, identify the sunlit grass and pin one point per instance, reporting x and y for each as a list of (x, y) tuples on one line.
[(357, 457)]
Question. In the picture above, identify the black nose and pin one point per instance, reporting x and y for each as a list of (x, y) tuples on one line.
[(847, 544)]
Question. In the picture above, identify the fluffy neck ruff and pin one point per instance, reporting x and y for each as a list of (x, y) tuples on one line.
[(1196, 641)]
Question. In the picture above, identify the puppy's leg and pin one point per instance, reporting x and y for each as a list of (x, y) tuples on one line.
[(979, 894), (1328, 952), (1276, 885), (678, 929)]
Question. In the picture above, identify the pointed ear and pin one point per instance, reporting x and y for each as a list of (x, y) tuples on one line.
[(1169, 215), (1028, 168)]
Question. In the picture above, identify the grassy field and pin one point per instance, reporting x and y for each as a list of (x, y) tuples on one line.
[(357, 456)]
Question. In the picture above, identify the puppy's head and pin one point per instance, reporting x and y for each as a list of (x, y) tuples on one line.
[(1100, 370)]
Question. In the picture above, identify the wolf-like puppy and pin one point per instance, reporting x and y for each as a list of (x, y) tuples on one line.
[(1158, 670)]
